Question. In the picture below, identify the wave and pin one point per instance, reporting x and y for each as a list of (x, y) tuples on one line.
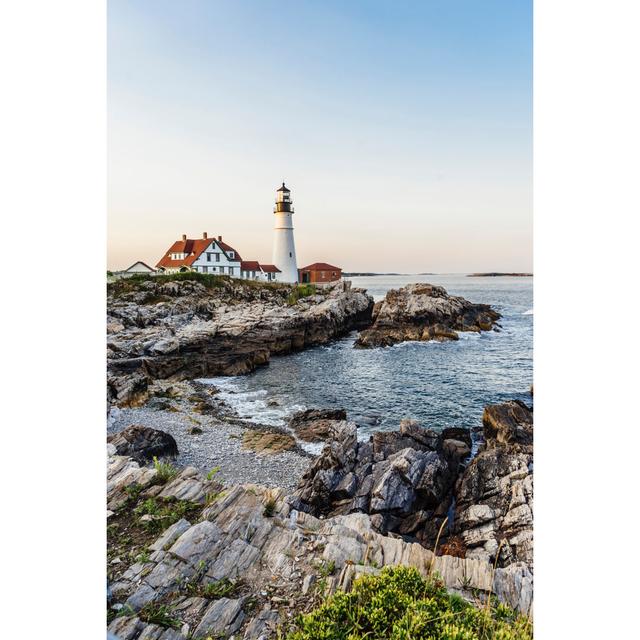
[(254, 405)]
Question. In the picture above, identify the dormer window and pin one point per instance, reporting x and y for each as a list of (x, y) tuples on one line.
[(232, 254)]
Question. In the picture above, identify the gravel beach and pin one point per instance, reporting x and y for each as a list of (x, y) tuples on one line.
[(219, 444)]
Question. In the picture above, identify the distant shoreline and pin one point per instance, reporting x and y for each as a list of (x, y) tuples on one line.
[(491, 274), (497, 274)]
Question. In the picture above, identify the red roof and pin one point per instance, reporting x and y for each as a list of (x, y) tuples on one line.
[(193, 249), (320, 266), (270, 268), (250, 265)]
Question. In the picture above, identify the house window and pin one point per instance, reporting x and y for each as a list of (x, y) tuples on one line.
[(213, 268), (230, 271), (208, 257), (221, 269), (232, 254), (205, 269), (217, 257)]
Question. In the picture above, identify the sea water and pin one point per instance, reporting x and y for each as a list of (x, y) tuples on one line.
[(440, 384)]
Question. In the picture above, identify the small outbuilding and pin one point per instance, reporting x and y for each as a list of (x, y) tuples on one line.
[(319, 273), (139, 267)]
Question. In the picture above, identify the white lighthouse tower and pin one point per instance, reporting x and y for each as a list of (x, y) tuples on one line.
[(284, 249)]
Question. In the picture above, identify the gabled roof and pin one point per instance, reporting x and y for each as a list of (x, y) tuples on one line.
[(320, 266), (193, 250), (250, 265), (270, 268), (144, 264), (283, 188)]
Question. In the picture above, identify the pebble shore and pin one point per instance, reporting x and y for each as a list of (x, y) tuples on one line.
[(219, 444)]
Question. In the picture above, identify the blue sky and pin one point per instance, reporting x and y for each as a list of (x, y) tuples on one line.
[(404, 130)]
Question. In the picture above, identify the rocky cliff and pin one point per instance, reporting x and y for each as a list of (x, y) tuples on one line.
[(424, 312), (189, 559), (178, 328)]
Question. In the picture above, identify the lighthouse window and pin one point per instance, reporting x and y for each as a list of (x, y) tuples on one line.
[(290, 254)]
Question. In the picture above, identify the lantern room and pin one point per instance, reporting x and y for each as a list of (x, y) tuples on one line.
[(283, 199)]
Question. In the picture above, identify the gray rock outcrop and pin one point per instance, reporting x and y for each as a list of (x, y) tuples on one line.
[(181, 329), (424, 312), (494, 494), (273, 559), (403, 479)]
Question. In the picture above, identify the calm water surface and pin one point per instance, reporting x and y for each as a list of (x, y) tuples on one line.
[(438, 383)]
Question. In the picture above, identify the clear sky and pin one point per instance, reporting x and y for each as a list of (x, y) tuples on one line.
[(404, 130)]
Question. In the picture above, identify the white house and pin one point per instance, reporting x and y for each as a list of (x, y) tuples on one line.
[(212, 255), (139, 267)]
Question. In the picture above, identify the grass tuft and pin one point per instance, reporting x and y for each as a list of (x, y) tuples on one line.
[(165, 471)]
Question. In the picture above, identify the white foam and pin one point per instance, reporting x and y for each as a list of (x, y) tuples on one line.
[(251, 405), (528, 313)]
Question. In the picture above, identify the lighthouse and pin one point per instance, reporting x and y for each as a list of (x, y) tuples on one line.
[(284, 249)]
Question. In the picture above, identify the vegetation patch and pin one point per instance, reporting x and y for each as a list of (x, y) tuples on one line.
[(399, 604), (160, 614), (163, 512), (301, 291), (129, 535), (165, 471)]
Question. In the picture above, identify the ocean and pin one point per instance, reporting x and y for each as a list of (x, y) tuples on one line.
[(440, 384)]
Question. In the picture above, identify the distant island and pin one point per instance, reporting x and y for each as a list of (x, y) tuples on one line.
[(496, 274), (367, 273)]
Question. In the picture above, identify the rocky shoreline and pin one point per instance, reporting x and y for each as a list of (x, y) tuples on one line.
[(187, 328), (242, 529), (270, 559), (424, 312), (209, 435)]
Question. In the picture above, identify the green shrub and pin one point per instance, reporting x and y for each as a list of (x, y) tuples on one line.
[(301, 291), (399, 604)]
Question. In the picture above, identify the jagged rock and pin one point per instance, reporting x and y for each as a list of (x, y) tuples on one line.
[(403, 478), (274, 559), (509, 422), (143, 443), (424, 312), (199, 332), (494, 495), (316, 425)]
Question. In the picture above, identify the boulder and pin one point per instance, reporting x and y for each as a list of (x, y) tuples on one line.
[(143, 443), (509, 422), (424, 312), (316, 425)]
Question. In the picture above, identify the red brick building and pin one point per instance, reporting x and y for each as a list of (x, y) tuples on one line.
[(318, 273)]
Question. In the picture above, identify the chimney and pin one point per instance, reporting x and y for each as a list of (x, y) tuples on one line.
[(204, 235), (219, 238), (184, 237)]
